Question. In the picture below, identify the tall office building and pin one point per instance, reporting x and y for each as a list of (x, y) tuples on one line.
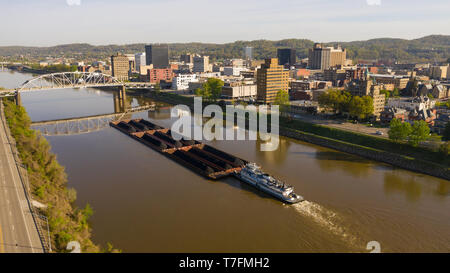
[(140, 61), (120, 66), (132, 61), (157, 55), (201, 64), (187, 58), (270, 79), (286, 56), (248, 53), (325, 57)]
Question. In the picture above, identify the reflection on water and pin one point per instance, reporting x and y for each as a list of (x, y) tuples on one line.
[(277, 157), (145, 202), (393, 184), (443, 189), (336, 161)]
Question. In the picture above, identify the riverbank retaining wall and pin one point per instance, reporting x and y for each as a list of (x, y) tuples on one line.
[(397, 160)]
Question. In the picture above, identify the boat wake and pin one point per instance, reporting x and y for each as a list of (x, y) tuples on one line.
[(327, 219)]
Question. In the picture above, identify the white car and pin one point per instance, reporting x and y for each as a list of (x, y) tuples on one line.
[(379, 133)]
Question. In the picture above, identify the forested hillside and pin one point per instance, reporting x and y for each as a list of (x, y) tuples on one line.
[(434, 48)]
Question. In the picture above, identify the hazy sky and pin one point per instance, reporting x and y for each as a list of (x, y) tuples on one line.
[(52, 22)]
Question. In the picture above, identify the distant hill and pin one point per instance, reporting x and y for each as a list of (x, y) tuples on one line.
[(433, 48)]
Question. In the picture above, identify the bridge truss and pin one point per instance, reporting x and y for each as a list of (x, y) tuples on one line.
[(83, 125), (69, 80)]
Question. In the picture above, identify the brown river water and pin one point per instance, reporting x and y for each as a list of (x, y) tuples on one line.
[(144, 202)]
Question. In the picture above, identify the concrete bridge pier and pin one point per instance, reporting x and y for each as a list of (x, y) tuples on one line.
[(18, 99), (120, 100)]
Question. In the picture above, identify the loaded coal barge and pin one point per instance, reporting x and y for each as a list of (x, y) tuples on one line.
[(204, 159)]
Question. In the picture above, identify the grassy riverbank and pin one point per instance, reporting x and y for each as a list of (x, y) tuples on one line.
[(48, 184)]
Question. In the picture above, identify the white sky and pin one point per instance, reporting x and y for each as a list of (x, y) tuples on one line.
[(52, 22)]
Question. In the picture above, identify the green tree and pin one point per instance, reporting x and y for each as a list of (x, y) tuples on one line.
[(214, 87), (399, 130), (420, 132), (395, 93), (211, 89), (361, 107), (335, 100), (282, 99), (446, 134)]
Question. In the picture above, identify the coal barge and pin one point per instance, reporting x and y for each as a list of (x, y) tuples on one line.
[(199, 157)]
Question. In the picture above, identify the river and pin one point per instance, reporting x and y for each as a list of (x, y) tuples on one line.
[(144, 202)]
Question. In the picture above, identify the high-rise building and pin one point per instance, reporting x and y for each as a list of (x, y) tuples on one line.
[(271, 78), (140, 61), (248, 52), (132, 61), (286, 56), (158, 55), (325, 57), (187, 58), (201, 64), (120, 66)]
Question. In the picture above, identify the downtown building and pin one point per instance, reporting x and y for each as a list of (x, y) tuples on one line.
[(187, 58), (157, 55), (270, 79), (140, 60), (156, 75), (322, 58), (239, 90), (368, 87), (248, 53), (286, 57), (181, 81), (201, 64), (120, 67)]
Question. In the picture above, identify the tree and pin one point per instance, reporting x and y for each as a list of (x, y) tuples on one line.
[(335, 100), (211, 89), (420, 132), (361, 107), (446, 135), (399, 130), (282, 99), (214, 86), (395, 92)]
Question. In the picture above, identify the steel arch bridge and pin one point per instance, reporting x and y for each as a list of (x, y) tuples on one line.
[(69, 80)]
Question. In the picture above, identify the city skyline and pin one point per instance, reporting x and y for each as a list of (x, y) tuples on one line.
[(177, 21)]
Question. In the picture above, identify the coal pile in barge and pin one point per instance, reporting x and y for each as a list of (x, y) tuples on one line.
[(199, 157)]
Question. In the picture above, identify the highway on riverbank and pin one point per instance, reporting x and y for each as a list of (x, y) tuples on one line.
[(18, 231)]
